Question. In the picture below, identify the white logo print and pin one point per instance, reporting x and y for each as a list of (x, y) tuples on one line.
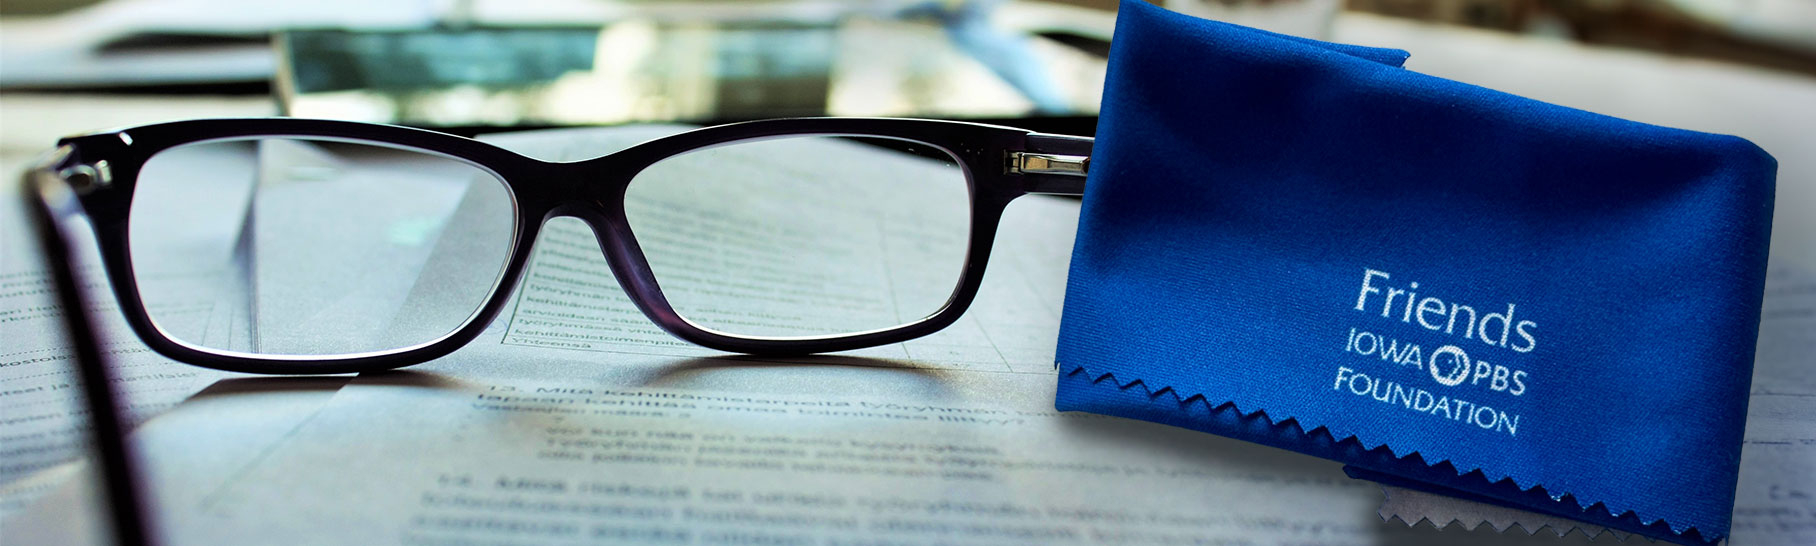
[(1459, 365), (1389, 362)]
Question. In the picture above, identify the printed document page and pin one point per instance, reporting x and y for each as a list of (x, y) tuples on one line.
[(699, 454)]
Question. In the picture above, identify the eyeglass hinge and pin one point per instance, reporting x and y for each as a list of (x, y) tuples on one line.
[(85, 178), (1033, 163)]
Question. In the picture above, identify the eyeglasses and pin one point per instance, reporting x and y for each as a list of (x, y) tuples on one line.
[(295, 246), (300, 246)]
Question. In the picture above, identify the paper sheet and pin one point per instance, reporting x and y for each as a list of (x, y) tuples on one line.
[(217, 432), (527, 461), (1776, 500)]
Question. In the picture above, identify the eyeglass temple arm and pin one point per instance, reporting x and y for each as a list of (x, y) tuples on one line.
[(50, 194), (1053, 164)]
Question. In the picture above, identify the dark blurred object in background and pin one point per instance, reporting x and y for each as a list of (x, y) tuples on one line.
[(530, 63), (41, 7)]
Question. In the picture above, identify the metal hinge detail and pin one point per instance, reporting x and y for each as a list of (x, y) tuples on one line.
[(85, 179), (1033, 163)]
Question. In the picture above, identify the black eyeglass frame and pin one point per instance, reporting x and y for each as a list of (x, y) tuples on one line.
[(1000, 164), (93, 175)]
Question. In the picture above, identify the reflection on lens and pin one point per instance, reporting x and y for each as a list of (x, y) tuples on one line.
[(315, 247), (804, 236)]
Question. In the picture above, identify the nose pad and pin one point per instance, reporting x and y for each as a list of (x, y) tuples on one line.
[(587, 239), (584, 278)]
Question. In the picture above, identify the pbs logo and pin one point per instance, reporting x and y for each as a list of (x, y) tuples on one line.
[(1450, 366)]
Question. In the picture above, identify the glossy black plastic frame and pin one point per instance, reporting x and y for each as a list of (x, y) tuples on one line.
[(101, 169)]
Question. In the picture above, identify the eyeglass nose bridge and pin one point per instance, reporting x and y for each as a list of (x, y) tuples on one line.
[(597, 200)]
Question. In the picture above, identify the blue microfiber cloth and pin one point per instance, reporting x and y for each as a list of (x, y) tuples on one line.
[(1303, 244)]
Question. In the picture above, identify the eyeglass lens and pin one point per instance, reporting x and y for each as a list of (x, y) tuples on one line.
[(315, 247), (805, 236)]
